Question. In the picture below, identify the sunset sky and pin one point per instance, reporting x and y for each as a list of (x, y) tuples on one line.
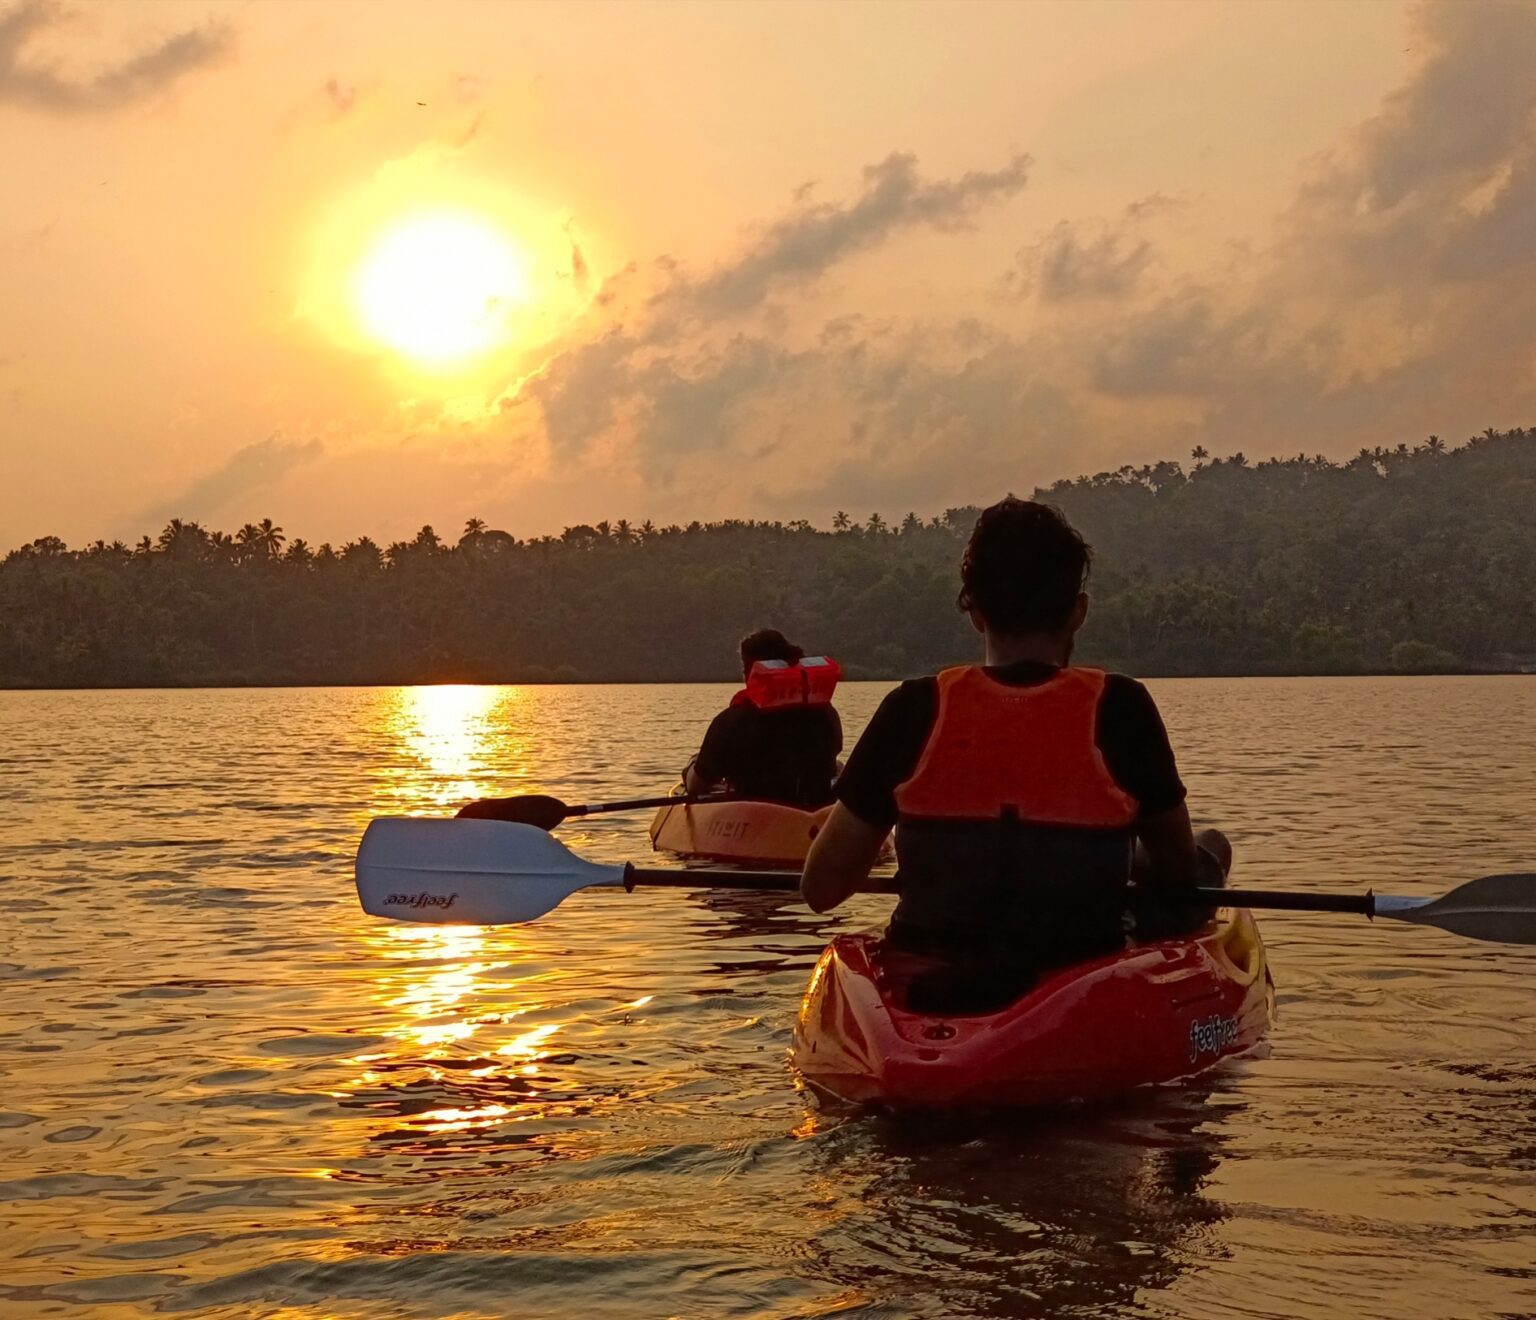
[(360, 267)]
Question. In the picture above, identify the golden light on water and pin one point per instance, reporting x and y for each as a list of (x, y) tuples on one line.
[(446, 727), (456, 742), (441, 287), (432, 1004), (526, 1046), (443, 990)]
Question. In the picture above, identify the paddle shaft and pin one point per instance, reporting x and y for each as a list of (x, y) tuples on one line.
[(789, 882), (637, 804), (544, 812)]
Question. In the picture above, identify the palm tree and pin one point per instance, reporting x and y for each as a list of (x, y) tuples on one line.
[(1199, 453), (877, 525), (474, 529), (364, 550), (246, 541), (183, 537), (271, 538), (298, 551), (841, 522)]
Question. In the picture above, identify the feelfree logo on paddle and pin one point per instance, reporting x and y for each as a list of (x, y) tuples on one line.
[(421, 900), (1211, 1035)]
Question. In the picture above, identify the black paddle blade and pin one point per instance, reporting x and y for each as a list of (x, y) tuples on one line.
[(1501, 908), (535, 809)]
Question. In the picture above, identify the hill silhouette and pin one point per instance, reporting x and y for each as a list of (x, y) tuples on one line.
[(1411, 559)]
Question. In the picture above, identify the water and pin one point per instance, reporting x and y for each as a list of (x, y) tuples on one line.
[(226, 1092)]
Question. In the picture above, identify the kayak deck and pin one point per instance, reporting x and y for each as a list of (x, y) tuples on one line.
[(1155, 1012), (766, 834)]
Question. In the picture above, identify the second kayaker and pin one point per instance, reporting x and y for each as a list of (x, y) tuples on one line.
[(1025, 793), (771, 747)]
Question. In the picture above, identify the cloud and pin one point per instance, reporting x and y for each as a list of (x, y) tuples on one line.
[(1078, 260), (659, 363), (581, 273), (341, 97), (1441, 182), (1399, 291), (803, 245), (1086, 260), (26, 80), (249, 470), (1394, 294)]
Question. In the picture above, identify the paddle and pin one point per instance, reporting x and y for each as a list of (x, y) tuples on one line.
[(545, 812), (490, 873)]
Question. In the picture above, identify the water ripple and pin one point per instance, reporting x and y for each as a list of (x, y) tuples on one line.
[(229, 1093)]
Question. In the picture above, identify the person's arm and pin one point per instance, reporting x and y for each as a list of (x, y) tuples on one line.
[(835, 726), (848, 846), (840, 859), (1136, 749), (710, 769), (1168, 844)]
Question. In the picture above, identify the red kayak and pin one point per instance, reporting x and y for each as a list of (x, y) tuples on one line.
[(1154, 1012)]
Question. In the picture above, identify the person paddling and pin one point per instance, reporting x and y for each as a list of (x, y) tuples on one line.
[(1026, 794), (780, 737)]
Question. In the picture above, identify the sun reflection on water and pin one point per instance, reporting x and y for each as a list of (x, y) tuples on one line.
[(450, 999), (457, 741), (430, 1001)]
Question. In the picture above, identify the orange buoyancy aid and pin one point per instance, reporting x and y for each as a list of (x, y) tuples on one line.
[(776, 684), (998, 749), (1012, 834)]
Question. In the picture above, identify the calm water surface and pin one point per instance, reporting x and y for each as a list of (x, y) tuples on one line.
[(226, 1092)]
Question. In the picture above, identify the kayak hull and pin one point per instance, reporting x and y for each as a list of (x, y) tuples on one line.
[(1156, 1012), (765, 834)]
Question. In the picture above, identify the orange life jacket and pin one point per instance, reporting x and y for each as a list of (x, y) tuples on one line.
[(1011, 833), (776, 684), (997, 749)]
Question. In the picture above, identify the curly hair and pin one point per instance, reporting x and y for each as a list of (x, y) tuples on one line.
[(1023, 568)]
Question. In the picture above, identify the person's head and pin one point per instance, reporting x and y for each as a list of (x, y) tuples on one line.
[(767, 644), (1024, 571)]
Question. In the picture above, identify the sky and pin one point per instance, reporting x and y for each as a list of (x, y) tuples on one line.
[(362, 267)]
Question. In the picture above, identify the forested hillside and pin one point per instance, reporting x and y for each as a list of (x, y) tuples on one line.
[(1407, 559)]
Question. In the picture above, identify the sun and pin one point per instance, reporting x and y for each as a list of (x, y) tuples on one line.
[(441, 288)]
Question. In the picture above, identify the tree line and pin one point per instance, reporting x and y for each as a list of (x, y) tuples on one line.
[(1411, 559)]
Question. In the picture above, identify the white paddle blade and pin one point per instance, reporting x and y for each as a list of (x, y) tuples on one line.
[(1498, 908), (468, 872)]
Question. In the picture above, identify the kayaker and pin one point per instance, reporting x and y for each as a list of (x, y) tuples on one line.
[(767, 748), (1026, 792)]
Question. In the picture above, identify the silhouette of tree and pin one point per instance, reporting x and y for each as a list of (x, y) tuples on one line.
[(269, 538), (1398, 558)]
